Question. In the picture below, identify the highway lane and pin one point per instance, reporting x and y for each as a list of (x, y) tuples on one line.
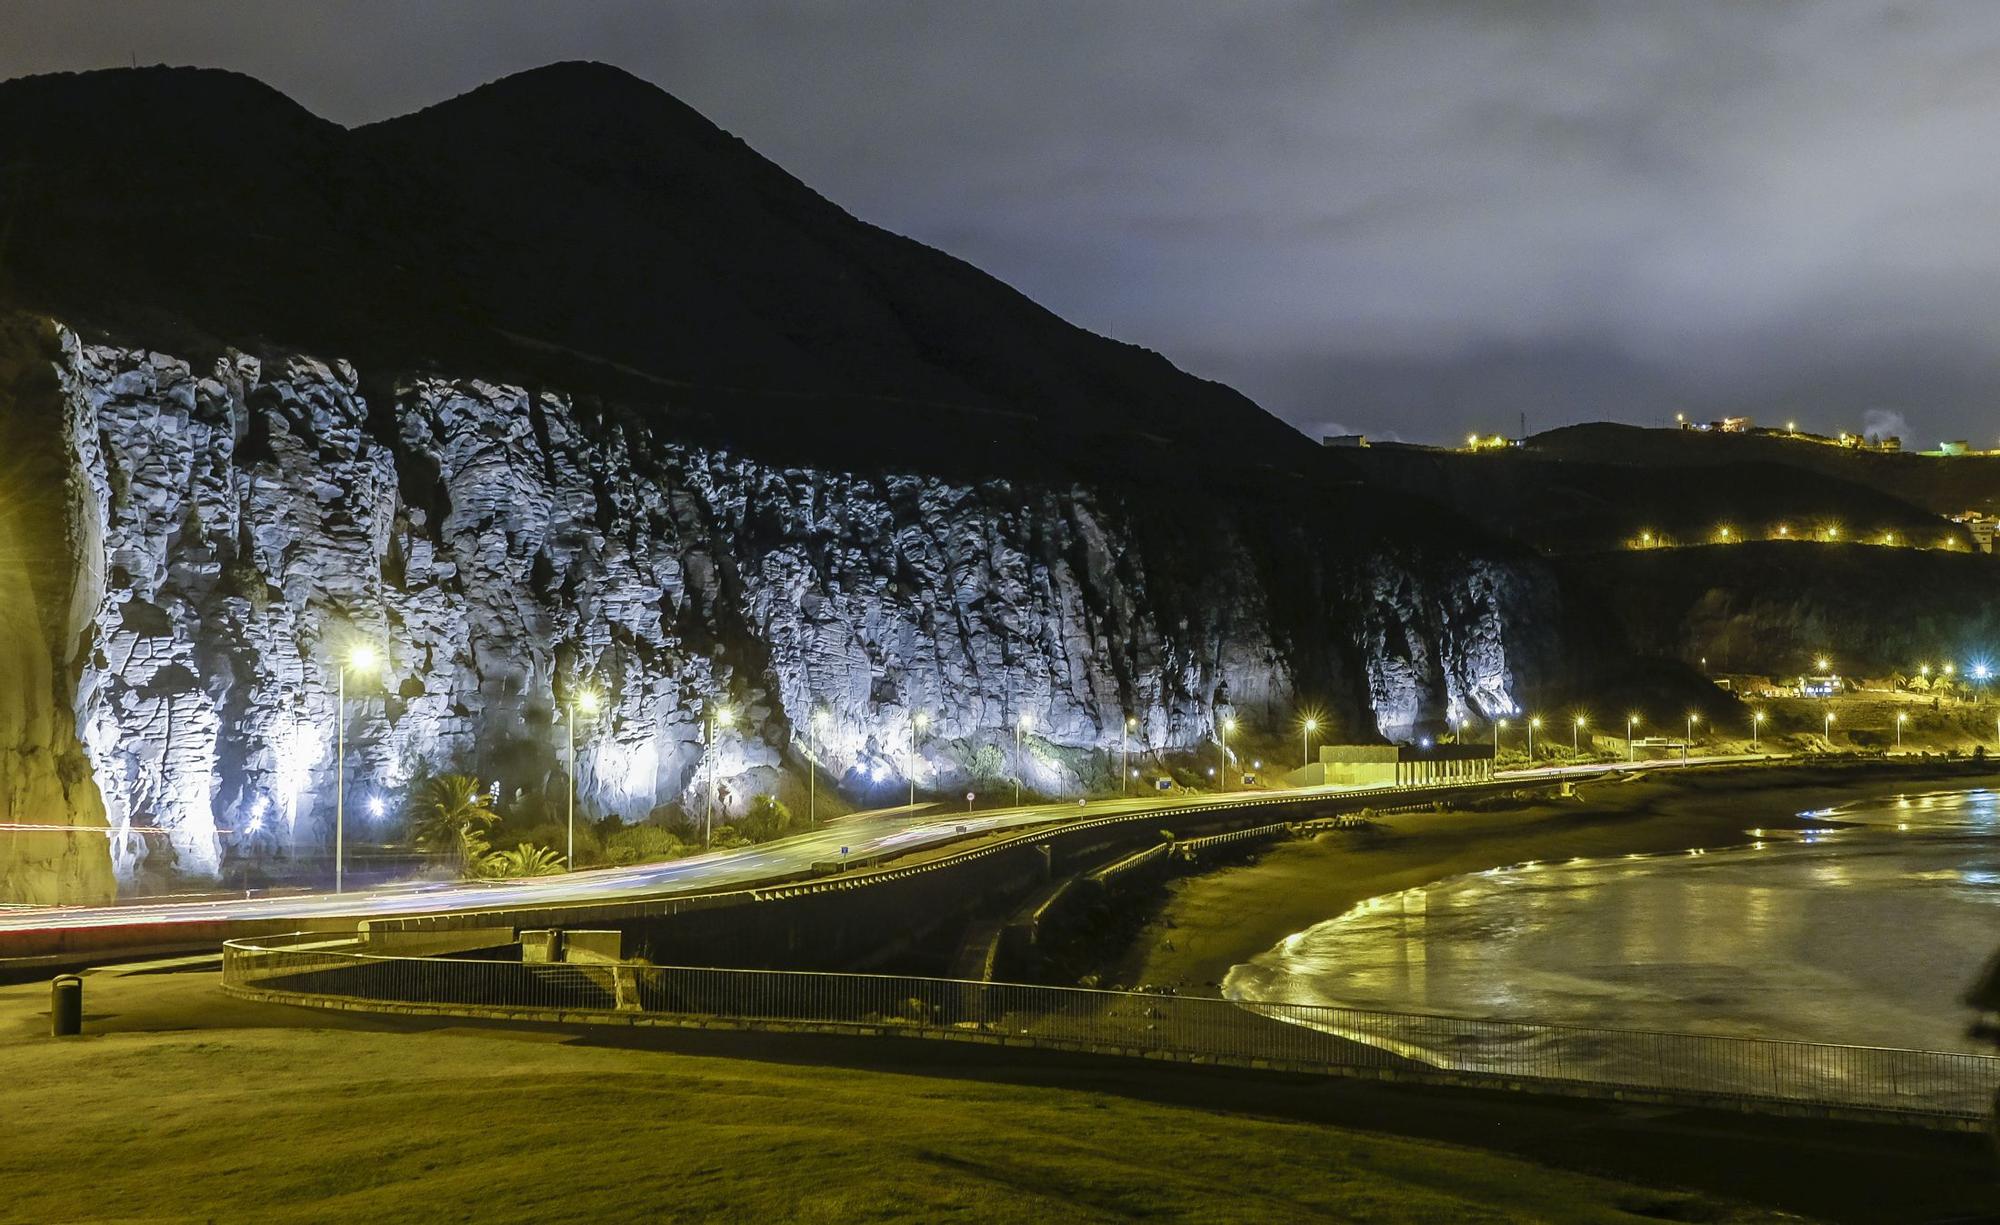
[(863, 835)]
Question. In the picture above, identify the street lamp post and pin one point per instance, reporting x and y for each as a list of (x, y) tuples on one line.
[(584, 703), (918, 722), (1631, 744), (812, 767), (1306, 739), (1826, 729), (1498, 724), (1125, 758), (1575, 729), (1020, 726), (362, 661), (1228, 726), (1756, 718), (718, 718), (1687, 746), (1901, 718), (1533, 723)]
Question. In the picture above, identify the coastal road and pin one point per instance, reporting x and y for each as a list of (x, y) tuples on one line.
[(862, 836)]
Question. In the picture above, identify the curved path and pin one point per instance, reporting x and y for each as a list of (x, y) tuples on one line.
[(863, 835)]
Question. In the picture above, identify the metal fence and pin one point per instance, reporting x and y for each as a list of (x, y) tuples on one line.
[(1923, 1085)]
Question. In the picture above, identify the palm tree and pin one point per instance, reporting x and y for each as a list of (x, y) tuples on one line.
[(526, 860), (450, 815)]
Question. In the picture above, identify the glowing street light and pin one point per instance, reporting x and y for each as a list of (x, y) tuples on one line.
[(1125, 758), (362, 660), (584, 702), (718, 717), (818, 720), (1822, 663)]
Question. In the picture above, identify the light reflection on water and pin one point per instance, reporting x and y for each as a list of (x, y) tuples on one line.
[(1865, 935)]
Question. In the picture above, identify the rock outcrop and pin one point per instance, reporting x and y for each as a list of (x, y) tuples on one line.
[(505, 548), (53, 834)]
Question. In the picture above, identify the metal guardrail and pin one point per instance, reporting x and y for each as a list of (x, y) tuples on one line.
[(1936, 1087), (1252, 833)]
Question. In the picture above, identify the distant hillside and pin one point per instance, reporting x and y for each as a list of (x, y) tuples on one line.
[(1773, 607), (1585, 503), (577, 226), (1942, 485)]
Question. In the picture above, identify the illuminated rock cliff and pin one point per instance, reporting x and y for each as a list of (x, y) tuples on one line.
[(505, 549)]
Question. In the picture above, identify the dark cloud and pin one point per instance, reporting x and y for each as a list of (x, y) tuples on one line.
[(1412, 216)]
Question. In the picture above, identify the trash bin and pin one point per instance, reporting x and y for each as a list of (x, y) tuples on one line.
[(66, 1006)]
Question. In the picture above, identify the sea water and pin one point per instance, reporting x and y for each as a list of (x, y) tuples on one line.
[(1868, 934)]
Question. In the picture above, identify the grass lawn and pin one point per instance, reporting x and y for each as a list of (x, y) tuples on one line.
[(310, 1124)]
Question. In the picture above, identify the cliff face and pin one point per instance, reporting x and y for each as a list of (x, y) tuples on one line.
[(504, 548), (53, 836)]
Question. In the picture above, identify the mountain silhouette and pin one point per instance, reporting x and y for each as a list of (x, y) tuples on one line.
[(575, 226)]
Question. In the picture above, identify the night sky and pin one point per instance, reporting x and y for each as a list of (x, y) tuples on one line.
[(1411, 218)]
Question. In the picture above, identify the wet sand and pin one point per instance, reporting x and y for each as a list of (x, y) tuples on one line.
[(1214, 920)]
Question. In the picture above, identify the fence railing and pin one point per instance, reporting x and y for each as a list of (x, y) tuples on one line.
[(1923, 1085)]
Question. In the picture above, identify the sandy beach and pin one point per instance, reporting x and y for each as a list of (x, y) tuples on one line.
[(1214, 920)]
